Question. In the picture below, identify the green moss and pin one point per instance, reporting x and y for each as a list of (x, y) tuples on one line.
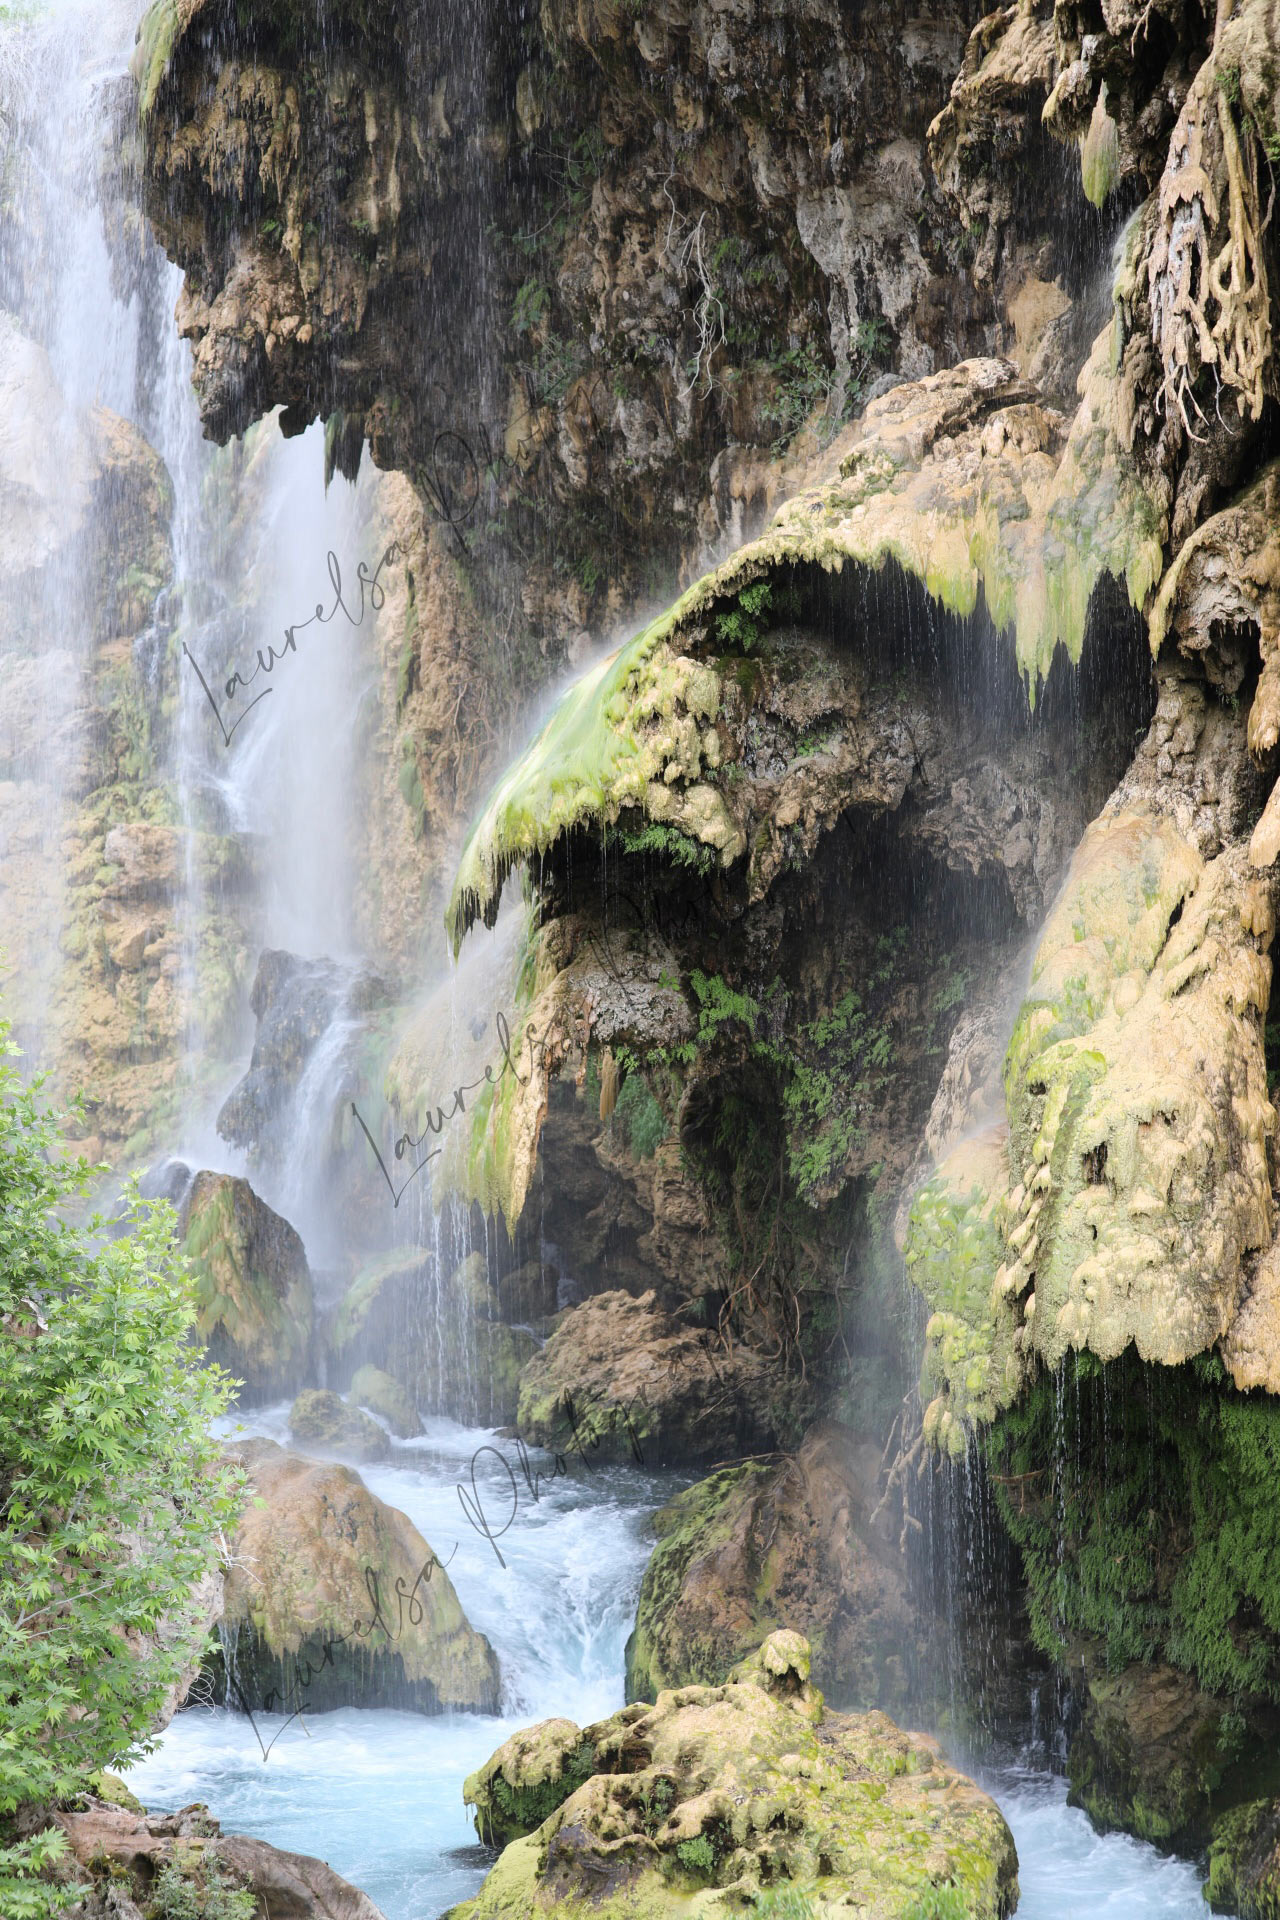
[(521, 1809), (955, 1246), (615, 730), (156, 38), (660, 1653), (1244, 1864), (1100, 153), (1146, 1503)]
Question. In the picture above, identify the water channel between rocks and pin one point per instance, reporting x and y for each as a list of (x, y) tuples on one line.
[(379, 1794)]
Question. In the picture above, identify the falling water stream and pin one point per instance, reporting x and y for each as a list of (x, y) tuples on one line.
[(378, 1794)]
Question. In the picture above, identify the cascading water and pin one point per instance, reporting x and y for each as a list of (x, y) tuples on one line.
[(256, 767)]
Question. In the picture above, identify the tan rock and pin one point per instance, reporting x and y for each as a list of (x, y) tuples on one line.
[(620, 1378), (338, 1600)]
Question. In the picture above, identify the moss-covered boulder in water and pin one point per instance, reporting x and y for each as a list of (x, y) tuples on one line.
[(716, 1796), (1149, 1755), (529, 1776), (334, 1599), (376, 1390), (621, 1379), (760, 1545), (252, 1285), (1244, 1862), (319, 1418)]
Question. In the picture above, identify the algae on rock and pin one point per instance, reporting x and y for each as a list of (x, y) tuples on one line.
[(335, 1599), (252, 1285), (707, 1800)]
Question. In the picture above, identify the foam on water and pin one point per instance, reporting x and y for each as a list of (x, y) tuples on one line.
[(1069, 1872), (378, 1795)]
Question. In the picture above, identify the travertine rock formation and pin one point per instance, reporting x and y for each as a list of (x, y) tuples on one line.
[(722, 1792)]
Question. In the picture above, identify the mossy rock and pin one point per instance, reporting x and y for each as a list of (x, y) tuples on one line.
[(1137, 1182), (253, 1293), (529, 1776), (705, 1801), (697, 1524), (376, 1390), (335, 1599), (502, 1354), (319, 1418), (1244, 1862), (960, 479), (760, 1545), (1148, 1756), (621, 1379)]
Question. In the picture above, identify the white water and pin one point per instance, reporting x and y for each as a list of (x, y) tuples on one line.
[(1069, 1872), (379, 1795)]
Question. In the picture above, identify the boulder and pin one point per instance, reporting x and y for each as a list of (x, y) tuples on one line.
[(125, 1851), (319, 1419), (620, 1378), (376, 1390), (758, 1545), (1149, 1755), (1244, 1862), (253, 1285), (334, 1599), (715, 1794)]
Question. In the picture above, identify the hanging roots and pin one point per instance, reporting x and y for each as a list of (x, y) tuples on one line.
[(1238, 276), (1210, 310)]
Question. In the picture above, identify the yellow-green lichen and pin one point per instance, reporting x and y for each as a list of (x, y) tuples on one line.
[(1137, 1183), (962, 480), (157, 36), (955, 1251)]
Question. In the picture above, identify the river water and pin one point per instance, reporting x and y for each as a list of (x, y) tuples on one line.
[(379, 1795)]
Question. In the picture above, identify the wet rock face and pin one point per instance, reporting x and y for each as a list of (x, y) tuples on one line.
[(726, 1791), (1130, 1192), (620, 1379), (335, 1599), (295, 1003), (253, 1295), (697, 227), (1149, 1755), (763, 1544)]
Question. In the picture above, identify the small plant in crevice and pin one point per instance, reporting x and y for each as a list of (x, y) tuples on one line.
[(195, 1888), (697, 1856)]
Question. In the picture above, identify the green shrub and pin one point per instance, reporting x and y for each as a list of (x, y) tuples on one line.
[(698, 1855), (112, 1493)]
